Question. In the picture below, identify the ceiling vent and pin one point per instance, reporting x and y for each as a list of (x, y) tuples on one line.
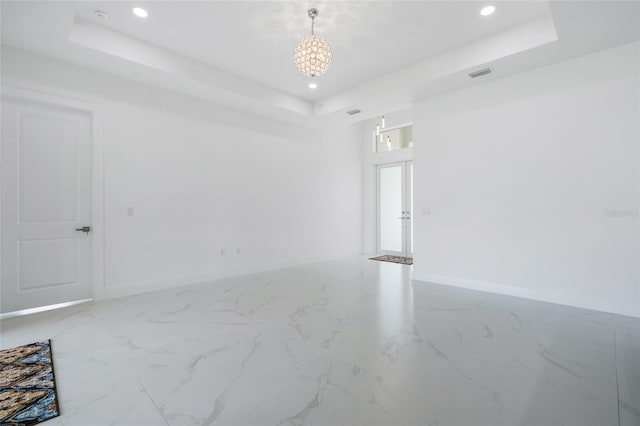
[(354, 112), (480, 72), (101, 15)]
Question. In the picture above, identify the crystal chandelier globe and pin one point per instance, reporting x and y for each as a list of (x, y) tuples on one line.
[(312, 55)]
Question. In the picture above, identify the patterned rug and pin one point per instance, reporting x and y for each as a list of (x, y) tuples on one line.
[(27, 385), (394, 259)]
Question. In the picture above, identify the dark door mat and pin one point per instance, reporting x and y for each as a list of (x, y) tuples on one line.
[(27, 385), (394, 259)]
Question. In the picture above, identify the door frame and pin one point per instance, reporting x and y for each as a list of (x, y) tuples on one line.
[(370, 160), (408, 187), (94, 111)]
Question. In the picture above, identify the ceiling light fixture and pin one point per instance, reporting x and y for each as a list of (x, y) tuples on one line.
[(138, 11), (487, 10), (312, 55), (380, 127), (313, 86)]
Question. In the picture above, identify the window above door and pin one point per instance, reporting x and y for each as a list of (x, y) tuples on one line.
[(394, 139)]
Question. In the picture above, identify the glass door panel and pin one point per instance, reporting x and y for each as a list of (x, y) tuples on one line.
[(395, 203), (390, 208)]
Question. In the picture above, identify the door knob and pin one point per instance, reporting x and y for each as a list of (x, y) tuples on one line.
[(85, 229)]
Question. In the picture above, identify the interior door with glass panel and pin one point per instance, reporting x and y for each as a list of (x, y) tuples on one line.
[(395, 204), (46, 205)]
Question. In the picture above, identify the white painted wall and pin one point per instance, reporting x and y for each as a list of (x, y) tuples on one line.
[(529, 185), (201, 178)]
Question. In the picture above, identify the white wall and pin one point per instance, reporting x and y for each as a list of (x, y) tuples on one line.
[(201, 178), (529, 185)]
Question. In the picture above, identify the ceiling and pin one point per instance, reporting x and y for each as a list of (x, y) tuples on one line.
[(256, 39), (240, 52)]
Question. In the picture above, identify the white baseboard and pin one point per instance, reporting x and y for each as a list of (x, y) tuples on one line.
[(39, 309), (131, 289), (579, 301)]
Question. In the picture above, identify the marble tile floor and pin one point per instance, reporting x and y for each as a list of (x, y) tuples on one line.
[(345, 342)]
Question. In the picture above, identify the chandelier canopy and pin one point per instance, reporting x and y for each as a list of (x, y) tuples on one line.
[(312, 55)]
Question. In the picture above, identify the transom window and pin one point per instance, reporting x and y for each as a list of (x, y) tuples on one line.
[(394, 139)]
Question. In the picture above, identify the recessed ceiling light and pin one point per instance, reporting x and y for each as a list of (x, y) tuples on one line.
[(488, 10), (313, 86), (138, 11)]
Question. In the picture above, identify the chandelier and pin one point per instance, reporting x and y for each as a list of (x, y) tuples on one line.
[(312, 55)]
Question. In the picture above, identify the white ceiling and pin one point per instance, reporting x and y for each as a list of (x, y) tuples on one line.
[(240, 52), (256, 39)]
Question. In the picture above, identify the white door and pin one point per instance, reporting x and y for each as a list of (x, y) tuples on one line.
[(46, 201), (395, 204)]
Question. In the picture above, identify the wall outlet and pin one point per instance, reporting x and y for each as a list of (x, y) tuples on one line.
[(130, 211), (238, 252), (443, 255), (222, 252)]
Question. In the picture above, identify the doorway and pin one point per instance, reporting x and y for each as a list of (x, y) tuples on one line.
[(46, 242), (395, 204)]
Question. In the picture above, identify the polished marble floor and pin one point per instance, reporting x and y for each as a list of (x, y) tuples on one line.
[(346, 342)]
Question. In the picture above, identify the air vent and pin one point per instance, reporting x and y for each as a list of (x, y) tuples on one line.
[(480, 72), (354, 112), (101, 15)]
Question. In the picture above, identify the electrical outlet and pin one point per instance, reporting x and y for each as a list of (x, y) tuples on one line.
[(130, 211), (222, 252), (443, 255), (238, 252)]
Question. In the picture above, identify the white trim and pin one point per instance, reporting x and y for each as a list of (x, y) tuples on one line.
[(579, 301), (371, 159), (130, 289), (389, 128), (97, 168), (42, 309)]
